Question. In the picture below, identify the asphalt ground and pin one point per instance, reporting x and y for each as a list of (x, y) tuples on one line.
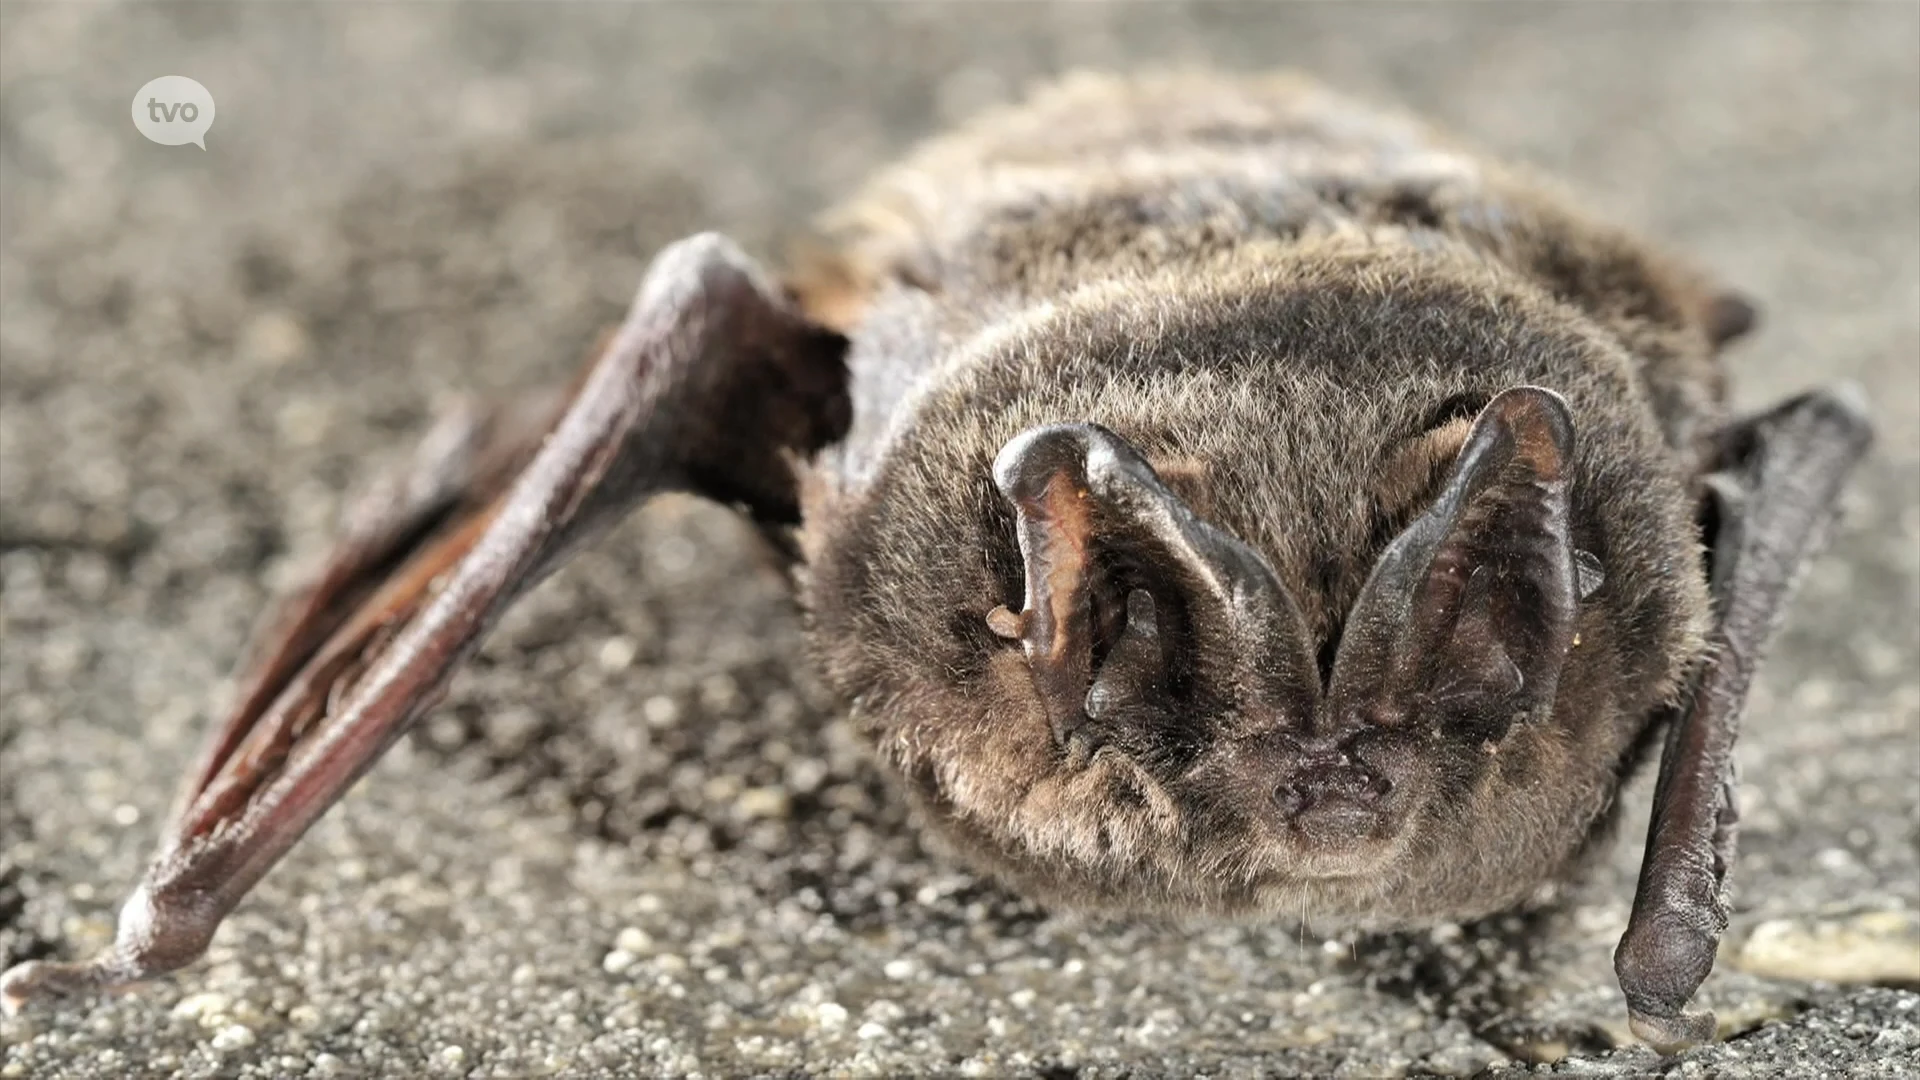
[(638, 839)]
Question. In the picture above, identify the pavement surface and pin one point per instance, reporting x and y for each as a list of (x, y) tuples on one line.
[(638, 839)]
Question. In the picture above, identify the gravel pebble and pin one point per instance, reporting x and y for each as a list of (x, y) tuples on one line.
[(1865, 947)]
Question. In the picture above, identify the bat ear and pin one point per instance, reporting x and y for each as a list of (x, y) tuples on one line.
[(1132, 600), (1469, 614)]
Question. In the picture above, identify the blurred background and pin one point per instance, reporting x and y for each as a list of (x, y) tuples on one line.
[(637, 838)]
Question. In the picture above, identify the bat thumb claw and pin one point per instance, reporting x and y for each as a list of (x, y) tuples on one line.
[(23, 983), (1672, 1034), (158, 932)]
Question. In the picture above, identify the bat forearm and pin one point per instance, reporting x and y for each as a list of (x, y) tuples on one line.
[(1774, 501)]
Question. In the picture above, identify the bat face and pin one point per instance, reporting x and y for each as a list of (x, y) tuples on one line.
[(1268, 646)]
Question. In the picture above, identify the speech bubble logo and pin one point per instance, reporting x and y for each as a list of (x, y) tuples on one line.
[(174, 110)]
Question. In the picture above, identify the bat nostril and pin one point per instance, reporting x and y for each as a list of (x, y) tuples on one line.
[(1350, 791)]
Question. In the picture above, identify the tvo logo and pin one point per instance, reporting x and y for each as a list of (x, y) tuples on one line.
[(174, 110)]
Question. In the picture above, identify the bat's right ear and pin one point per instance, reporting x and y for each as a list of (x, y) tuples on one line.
[(1468, 615)]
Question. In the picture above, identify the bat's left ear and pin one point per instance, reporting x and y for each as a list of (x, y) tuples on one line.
[(1468, 616)]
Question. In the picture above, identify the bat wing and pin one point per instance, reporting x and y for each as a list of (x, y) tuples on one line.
[(1771, 502), (712, 385)]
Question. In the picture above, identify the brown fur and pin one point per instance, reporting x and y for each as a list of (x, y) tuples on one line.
[(1290, 304)]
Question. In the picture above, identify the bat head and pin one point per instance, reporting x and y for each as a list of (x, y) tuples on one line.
[(1185, 658)]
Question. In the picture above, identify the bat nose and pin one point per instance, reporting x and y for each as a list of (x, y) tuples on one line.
[(1329, 786)]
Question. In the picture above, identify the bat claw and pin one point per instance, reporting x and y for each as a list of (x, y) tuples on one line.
[(162, 927), (41, 979), (1672, 1034)]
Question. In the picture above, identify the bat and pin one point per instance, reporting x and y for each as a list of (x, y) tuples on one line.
[(1210, 496)]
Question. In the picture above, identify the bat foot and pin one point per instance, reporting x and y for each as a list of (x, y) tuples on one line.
[(1672, 1034)]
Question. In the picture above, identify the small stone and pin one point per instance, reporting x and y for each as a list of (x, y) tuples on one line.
[(900, 970), (634, 940), (617, 653), (660, 711), (233, 1037), (721, 789), (1465, 1059), (617, 961), (274, 337), (830, 1014), (1551, 1051), (304, 423), (1834, 859), (451, 1057), (1868, 947), (328, 1064), (202, 1006), (871, 1030), (763, 802), (1892, 1039), (1815, 694)]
